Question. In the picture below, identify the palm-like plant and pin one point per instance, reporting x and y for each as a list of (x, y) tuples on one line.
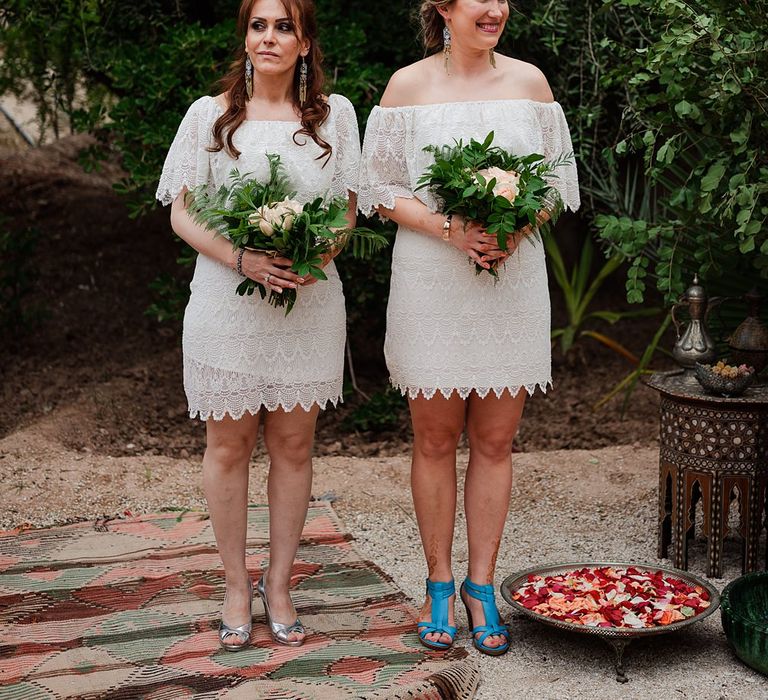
[(579, 288)]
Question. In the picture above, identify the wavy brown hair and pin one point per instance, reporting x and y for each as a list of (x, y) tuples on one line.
[(313, 112)]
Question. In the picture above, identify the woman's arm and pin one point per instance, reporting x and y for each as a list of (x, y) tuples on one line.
[(468, 236), (257, 266), (351, 215)]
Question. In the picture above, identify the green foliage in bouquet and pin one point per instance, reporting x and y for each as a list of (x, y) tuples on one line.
[(264, 216), (485, 183)]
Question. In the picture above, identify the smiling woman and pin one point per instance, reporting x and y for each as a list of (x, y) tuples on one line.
[(465, 348), (486, 26), (246, 363)]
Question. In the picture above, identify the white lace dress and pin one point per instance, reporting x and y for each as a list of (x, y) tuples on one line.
[(241, 353), (448, 329)]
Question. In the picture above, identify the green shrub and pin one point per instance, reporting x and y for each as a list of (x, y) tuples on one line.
[(666, 101), (383, 411), (696, 112), (18, 278)]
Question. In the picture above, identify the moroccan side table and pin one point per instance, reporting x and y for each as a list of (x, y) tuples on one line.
[(713, 450)]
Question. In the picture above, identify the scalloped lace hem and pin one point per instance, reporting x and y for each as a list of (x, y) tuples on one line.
[(429, 392), (206, 412), (341, 189)]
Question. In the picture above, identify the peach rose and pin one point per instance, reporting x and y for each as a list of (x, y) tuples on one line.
[(506, 182)]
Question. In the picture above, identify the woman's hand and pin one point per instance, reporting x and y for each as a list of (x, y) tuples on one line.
[(471, 238), (514, 240), (274, 273), (325, 258)]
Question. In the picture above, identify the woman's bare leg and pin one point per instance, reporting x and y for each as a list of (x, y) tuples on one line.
[(289, 438), (225, 484), (437, 426), (492, 424)]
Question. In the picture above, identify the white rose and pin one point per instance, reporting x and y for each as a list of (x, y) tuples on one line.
[(274, 215), (266, 228), (291, 209), (263, 219), (292, 205)]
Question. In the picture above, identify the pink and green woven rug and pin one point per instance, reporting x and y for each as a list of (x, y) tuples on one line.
[(132, 611)]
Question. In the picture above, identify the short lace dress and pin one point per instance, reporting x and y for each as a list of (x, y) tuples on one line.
[(448, 329), (241, 353)]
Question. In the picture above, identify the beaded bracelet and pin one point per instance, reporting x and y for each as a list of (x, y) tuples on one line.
[(239, 264)]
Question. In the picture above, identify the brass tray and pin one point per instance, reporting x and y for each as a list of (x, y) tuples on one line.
[(617, 637)]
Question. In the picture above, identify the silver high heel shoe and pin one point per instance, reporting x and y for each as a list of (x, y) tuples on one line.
[(243, 633), (278, 630)]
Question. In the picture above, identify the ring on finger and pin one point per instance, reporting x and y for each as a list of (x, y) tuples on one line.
[(267, 276)]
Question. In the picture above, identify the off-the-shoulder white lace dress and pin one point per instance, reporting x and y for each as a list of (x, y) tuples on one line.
[(449, 329), (240, 353)]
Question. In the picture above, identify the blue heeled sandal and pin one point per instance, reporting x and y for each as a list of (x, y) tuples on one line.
[(493, 624), (439, 592)]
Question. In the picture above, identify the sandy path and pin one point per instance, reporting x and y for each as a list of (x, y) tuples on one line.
[(567, 505)]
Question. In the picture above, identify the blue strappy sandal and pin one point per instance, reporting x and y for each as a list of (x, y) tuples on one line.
[(493, 624), (439, 592)]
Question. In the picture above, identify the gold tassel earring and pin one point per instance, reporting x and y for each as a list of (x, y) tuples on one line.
[(248, 76), (303, 71), (492, 56), (446, 47)]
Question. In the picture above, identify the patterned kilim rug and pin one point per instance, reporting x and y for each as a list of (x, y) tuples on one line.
[(130, 610)]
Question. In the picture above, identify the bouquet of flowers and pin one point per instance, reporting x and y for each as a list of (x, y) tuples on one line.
[(485, 183), (265, 217)]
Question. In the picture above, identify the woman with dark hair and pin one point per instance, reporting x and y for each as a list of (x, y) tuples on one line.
[(247, 364), (465, 348)]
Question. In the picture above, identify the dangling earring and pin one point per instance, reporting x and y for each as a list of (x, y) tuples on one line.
[(492, 56), (303, 82), (248, 76), (446, 47)]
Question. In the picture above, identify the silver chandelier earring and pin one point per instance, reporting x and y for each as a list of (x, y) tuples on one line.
[(446, 47), (303, 71), (248, 76)]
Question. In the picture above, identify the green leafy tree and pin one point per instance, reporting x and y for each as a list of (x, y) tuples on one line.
[(696, 113), (666, 100)]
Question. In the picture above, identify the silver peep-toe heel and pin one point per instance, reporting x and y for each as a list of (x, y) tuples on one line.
[(278, 630), (243, 633)]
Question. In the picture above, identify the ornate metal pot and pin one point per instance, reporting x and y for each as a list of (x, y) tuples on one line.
[(694, 344), (749, 342)]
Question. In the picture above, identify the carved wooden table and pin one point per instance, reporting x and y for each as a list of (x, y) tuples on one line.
[(713, 450)]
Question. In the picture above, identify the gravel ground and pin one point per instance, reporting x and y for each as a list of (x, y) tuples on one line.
[(566, 506), (574, 506)]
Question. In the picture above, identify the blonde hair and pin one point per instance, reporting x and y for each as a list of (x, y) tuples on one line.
[(432, 24)]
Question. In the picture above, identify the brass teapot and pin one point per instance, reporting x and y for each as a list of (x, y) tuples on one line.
[(694, 344)]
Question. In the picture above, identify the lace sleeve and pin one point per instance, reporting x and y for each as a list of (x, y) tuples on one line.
[(346, 147), (383, 166), (187, 162), (557, 141)]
